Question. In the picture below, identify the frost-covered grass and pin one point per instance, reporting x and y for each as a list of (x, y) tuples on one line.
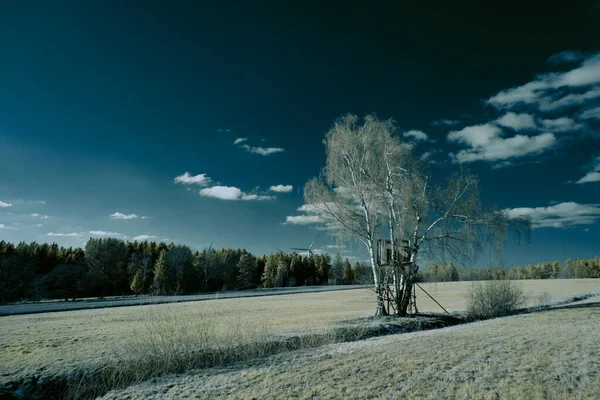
[(553, 354), (71, 343)]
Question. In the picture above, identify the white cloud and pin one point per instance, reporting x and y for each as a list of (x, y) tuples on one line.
[(222, 192), (591, 113), (444, 122), (1, 226), (538, 91), (223, 130), (517, 121), (307, 208), (232, 193), (141, 238), (187, 179), (119, 215), (281, 188), (335, 246), (486, 143), (73, 234), (105, 233), (416, 135), (5, 205), (303, 219), (561, 215), (562, 124), (593, 175), (263, 151), (240, 140)]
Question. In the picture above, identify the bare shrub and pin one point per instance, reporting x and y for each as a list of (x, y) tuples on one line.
[(492, 299), (543, 300)]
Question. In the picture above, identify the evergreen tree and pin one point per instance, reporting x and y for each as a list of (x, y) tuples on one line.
[(348, 275), (337, 270), (245, 267), (137, 284), (269, 276), (161, 278)]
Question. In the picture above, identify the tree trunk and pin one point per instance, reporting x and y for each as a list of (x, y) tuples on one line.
[(380, 309), (406, 293), (408, 285)]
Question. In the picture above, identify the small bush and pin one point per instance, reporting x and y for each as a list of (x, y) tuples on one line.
[(491, 299)]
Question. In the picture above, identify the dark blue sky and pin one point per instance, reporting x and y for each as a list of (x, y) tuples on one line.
[(104, 104)]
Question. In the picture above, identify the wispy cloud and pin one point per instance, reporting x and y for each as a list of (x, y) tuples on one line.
[(263, 151), (141, 238), (105, 233), (281, 188), (187, 179), (36, 215), (223, 130), (250, 197), (593, 175), (591, 113), (23, 201), (232, 193), (428, 155), (567, 57), (72, 234), (486, 143), (5, 205), (239, 140), (543, 92), (416, 135), (561, 215), (445, 122)]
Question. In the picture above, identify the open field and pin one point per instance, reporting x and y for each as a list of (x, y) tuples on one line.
[(552, 354), (51, 344), (85, 304)]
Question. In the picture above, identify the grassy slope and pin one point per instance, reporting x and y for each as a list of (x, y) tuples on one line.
[(545, 355), (58, 343)]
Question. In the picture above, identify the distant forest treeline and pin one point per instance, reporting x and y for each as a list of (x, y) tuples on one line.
[(569, 269), (109, 267)]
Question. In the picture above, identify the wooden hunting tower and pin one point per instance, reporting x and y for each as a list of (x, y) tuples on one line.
[(393, 268)]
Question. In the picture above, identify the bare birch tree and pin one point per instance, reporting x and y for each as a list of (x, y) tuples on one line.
[(372, 186), (344, 195)]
